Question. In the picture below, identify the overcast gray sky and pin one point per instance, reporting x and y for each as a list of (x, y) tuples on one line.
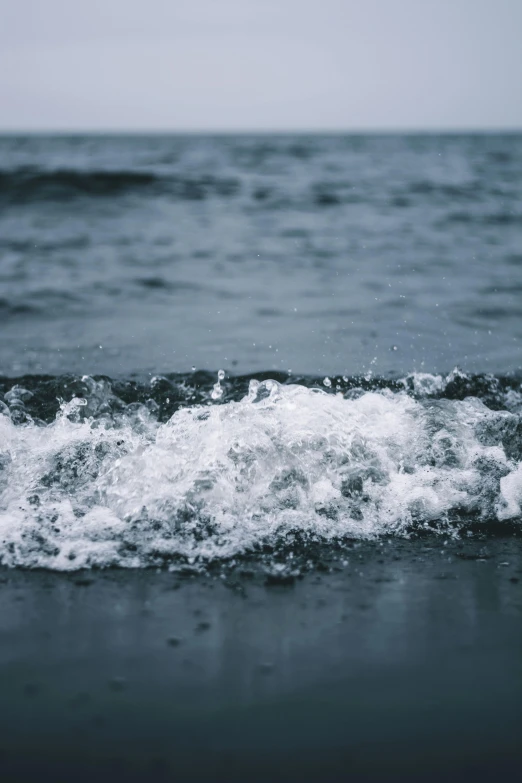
[(260, 64)]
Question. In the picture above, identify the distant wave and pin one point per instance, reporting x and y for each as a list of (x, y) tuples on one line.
[(464, 191), (10, 308), (28, 184), (42, 302), (511, 218), (189, 469)]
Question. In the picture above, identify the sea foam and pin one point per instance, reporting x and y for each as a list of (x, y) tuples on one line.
[(107, 484)]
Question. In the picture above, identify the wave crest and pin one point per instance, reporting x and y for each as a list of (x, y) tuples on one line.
[(106, 483)]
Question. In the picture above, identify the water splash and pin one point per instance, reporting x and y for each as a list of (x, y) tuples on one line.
[(108, 483), (217, 389)]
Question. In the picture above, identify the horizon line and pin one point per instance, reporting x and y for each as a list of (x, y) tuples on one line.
[(404, 130)]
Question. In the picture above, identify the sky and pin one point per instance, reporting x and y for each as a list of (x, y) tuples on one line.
[(217, 65)]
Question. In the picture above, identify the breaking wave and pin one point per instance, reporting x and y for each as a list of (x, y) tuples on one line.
[(187, 469)]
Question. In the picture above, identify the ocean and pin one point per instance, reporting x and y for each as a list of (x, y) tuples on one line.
[(260, 457), (215, 344), (316, 254)]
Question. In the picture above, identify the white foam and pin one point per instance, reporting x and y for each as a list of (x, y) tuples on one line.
[(217, 480)]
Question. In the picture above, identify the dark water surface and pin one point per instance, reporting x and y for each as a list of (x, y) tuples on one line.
[(401, 665), (320, 254)]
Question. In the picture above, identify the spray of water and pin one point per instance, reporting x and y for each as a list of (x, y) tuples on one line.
[(105, 483)]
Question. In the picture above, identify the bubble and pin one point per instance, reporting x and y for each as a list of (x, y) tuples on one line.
[(327, 382), (17, 395)]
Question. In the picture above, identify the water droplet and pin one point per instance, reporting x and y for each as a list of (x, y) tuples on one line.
[(217, 392), (327, 382)]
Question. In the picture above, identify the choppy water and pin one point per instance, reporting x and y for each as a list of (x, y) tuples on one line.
[(320, 254), (337, 281)]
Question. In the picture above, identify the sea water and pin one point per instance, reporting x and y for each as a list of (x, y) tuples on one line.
[(213, 347)]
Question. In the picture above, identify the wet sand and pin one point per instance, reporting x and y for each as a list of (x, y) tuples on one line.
[(403, 664)]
